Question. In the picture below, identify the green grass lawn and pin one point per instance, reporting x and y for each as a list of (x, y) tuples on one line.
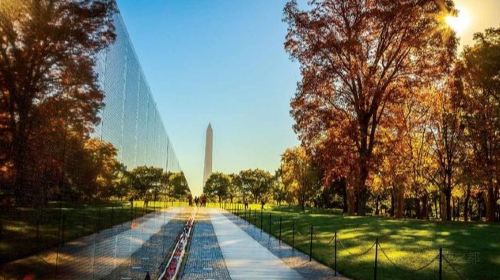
[(19, 236), (472, 249)]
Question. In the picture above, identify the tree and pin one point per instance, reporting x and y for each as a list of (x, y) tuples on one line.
[(104, 163), (179, 185), (146, 182), (300, 175), (279, 190), (47, 57), (446, 133), (358, 60), (217, 185), (234, 187), (121, 182), (480, 101), (258, 183)]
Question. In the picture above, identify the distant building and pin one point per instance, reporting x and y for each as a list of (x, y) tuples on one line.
[(208, 154), (130, 118)]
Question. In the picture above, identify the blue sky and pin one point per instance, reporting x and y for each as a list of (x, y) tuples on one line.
[(222, 62)]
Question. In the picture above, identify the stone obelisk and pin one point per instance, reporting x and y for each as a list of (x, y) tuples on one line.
[(208, 154)]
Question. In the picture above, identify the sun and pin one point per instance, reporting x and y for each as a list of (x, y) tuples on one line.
[(460, 22)]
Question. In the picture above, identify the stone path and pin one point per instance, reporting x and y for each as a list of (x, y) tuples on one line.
[(245, 258), (96, 256), (222, 246), (290, 256), (151, 256), (100, 255), (204, 259)]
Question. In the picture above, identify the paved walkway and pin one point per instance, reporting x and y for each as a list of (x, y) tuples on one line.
[(99, 255), (290, 256), (204, 258), (222, 246), (245, 258), (151, 256)]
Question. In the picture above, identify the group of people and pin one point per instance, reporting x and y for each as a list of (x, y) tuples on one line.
[(200, 201)]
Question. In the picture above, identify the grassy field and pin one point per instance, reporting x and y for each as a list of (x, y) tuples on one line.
[(408, 249), (26, 231)]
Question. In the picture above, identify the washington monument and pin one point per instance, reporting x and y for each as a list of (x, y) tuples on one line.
[(208, 154)]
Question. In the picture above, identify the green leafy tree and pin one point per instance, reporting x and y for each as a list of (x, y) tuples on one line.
[(279, 190), (179, 188), (234, 189), (299, 175), (146, 182), (258, 183), (121, 182), (217, 185)]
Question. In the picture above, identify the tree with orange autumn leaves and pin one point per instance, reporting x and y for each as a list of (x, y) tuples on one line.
[(360, 59), (479, 100), (50, 97), (385, 104)]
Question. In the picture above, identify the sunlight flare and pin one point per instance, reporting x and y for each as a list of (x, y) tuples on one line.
[(459, 22)]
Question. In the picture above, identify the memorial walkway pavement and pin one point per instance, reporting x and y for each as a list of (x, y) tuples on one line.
[(225, 247)]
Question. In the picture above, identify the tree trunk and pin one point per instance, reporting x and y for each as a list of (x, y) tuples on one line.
[(466, 204), (361, 192), (437, 205), (445, 205), (351, 201), (490, 203), (345, 207), (393, 200), (399, 199), (425, 206), (418, 210), (20, 143), (377, 199)]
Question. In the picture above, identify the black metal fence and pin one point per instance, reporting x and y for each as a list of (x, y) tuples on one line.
[(375, 260)]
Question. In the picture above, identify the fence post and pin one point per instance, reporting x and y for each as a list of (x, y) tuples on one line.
[(131, 211), (270, 225), (440, 263), (98, 218), (261, 220), (376, 256), (63, 225), (293, 236), (335, 253), (37, 228), (280, 232), (311, 244)]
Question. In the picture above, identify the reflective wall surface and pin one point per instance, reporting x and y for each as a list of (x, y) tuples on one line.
[(130, 118)]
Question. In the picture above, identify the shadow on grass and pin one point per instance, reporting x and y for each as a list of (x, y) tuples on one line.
[(470, 250)]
